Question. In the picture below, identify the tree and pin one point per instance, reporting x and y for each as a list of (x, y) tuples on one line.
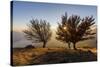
[(38, 31), (62, 30), (75, 29)]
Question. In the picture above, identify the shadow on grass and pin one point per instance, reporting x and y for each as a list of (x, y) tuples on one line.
[(52, 56)]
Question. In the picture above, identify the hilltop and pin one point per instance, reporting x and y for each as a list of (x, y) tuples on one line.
[(33, 56)]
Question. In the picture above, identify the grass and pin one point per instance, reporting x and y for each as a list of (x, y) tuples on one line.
[(34, 56)]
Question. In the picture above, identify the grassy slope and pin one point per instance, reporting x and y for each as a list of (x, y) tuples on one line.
[(23, 56)]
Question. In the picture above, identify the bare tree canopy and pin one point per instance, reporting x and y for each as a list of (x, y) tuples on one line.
[(62, 30), (75, 29), (38, 31)]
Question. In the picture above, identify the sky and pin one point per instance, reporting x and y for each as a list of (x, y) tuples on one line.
[(23, 12)]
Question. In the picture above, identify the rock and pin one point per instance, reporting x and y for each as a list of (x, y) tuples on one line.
[(29, 46)]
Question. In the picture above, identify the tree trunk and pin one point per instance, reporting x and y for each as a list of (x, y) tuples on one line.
[(74, 46), (69, 45), (44, 44)]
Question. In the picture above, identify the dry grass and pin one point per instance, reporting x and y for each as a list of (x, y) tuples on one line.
[(32, 56)]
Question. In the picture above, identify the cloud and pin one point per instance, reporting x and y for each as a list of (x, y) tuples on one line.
[(19, 40)]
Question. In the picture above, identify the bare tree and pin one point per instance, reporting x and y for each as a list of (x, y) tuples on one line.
[(75, 29), (38, 31), (62, 30)]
